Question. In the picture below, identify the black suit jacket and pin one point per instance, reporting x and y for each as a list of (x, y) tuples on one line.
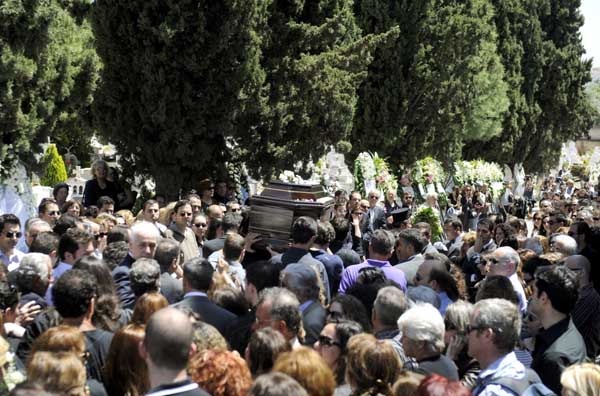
[(212, 246), (171, 288), (210, 312), (240, 330), (313, 320), (121, 277)]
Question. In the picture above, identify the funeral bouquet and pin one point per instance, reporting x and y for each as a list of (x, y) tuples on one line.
[(428, 171), (477, 171), (430, 216), (364, 171)]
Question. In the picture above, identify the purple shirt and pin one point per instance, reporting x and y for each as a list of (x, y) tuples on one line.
[(351, 274)]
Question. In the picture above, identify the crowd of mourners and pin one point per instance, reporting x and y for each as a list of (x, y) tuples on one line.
[(181, 299)]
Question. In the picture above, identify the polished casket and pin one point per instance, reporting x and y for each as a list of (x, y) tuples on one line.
[(273, 212)]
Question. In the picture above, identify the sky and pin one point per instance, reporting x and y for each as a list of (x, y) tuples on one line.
[(590, 31)]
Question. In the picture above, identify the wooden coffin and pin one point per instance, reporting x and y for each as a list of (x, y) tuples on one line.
[(273, 212)]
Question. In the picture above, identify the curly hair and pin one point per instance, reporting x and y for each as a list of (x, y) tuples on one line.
[(220, 372)]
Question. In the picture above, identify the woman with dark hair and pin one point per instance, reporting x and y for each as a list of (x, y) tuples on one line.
[(263, 348), (125, 372), (108, 314), (200, 227), (72, 207), (503, 233), (146, 305), (60, 193), (345, 306), (332, 346), (372, 366)]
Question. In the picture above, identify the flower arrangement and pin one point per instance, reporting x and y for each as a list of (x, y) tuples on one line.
[(372, 167), (428, 215), (477, 171), (428, 171)]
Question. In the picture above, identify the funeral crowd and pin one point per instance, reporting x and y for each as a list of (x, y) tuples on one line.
[(182, 298)]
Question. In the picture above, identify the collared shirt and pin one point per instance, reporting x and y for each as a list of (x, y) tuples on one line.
[(12, 261), (444, 302), (304, 305), (516, 282), (505, 367), (183, 388), (60, 269), (351, 273), (195, 294)]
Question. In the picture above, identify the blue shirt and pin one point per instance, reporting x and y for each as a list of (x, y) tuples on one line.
[(444, 302), (506, 366)]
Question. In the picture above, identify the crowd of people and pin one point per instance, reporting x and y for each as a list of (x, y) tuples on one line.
[(181, 299)]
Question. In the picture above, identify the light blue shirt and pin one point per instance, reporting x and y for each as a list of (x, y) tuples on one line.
[(506, 366), (444, 302)]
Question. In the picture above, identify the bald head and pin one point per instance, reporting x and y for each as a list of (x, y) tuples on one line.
[(581, 266), (504, 261), (168, 339)]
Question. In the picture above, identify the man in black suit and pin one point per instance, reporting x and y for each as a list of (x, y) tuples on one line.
[(197, 277), (167, 255), (302, 280), (142, 243), (259, 276), (230, 223)]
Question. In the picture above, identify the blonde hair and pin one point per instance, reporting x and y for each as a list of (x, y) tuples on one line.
[(581, 379), (97, 164), (59, 372), (165, 213), (308, 368), (127, 215)]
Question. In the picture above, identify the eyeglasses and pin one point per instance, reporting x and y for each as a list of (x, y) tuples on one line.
[(13, 234), (200, 225), (474, 328), (53, 213), (326, 341), (100, 235)]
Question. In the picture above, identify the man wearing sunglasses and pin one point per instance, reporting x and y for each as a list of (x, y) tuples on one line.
[(10, 233), (48, 211)]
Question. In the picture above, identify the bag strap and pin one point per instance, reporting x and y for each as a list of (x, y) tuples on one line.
[(516, 386)]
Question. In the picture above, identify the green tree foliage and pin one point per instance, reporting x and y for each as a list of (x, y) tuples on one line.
[(55, 170), (48, 73), (438, 84), (593, 93), (314, 59), (541, 51), (177, 75)]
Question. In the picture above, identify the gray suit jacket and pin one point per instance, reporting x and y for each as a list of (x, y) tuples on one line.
[(411, 267), (171, 288)]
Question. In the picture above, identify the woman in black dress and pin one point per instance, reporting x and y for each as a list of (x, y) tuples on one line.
[(100, 186)]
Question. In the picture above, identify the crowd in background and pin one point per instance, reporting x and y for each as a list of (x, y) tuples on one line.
[(181, 299)]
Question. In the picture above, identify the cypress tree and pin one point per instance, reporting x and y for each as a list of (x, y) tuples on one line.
[(55, 170), (176, 77), (439, 84), (48, 74)]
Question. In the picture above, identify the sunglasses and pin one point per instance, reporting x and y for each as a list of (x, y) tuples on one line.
[(326, 341), (234, 210), (13, 234), (373, 196), (473, 328), (200, 225), (53, 213), (100, 235), (185, 214)]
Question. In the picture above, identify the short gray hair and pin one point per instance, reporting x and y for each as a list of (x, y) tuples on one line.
[(503, 317), (143, 227), (284, 306), (423, 322), (458, 315), (144, 276), (565, 244), (389, 305), (32, 267), (510, 255)]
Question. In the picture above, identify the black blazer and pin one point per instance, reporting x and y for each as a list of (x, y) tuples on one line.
[(313, 320), (171, 288), (210, 312), (120, 275)]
